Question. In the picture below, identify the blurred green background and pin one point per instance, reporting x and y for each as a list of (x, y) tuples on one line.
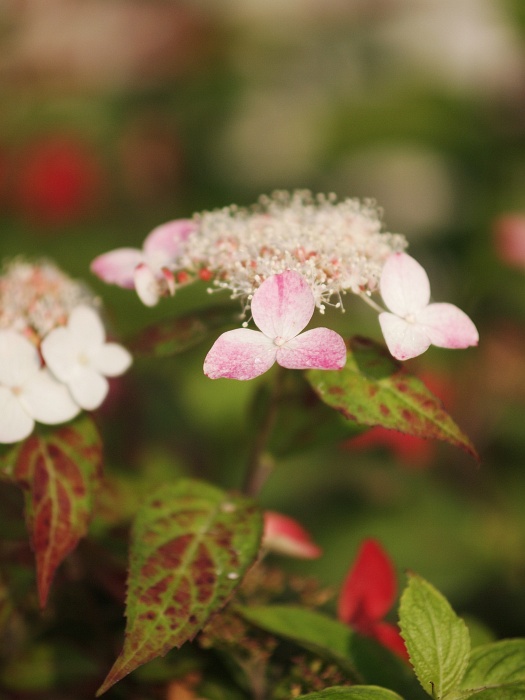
[(117, 116)]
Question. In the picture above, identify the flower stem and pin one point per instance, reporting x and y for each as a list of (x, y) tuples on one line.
[(364, 296), (260, 464)]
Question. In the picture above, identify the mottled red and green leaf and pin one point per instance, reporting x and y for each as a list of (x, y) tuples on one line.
[(374, 389), (58, 470), (191, 545)]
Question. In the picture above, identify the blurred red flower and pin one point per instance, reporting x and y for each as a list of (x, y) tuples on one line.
[(59, 180)]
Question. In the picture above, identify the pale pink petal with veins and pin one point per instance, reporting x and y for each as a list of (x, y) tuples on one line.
[(403, 339), (447, 326), (240, 354), (319, 348), (404, 285), (283, 305)]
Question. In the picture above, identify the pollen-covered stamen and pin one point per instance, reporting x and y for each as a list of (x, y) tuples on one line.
[(335, 246)]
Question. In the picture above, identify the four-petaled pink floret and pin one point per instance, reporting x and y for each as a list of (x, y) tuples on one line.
[(149, 271), (281, 307), (413, 324)]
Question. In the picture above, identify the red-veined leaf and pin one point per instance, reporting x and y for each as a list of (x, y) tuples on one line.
[(191, 545), (374, 389), (58, 470)]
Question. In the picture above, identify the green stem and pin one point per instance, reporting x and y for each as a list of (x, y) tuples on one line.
[(260, 465)]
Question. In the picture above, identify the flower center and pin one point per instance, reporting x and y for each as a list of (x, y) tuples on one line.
[(410, 318), (83, 359), (279, 341)]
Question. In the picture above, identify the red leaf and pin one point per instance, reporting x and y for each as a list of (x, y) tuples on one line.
[(369, 590), (58, 470)]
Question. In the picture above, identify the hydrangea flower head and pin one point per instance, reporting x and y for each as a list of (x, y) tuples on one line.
[(413, 324), (78, 356), (335, 246), (281, 307), (149, 271), (37, 297), (53, 356)]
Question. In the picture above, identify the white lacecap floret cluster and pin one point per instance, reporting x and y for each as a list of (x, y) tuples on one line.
[(37, 297), (54, 358), (338, 246)]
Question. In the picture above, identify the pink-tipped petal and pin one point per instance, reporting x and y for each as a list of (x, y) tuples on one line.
[(284, 535), (403, 339), (146, 285), (283, 305), (319, 348), (168, 237), (447, 326), (240, 354), (404, 285), (369, 589), (117, 266)]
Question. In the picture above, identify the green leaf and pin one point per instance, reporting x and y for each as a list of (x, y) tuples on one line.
[(361, 692), (374, 389), (361, 658), (171, 337), (58, 470), (191, 545), (311, 630), (497, 670), (436, 638)]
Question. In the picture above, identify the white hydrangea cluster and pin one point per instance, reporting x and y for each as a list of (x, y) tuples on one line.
[(37, 297), (54, 358), (337, 246)]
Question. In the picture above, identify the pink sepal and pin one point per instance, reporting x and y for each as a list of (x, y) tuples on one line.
[(283, 305), (168, 237), (284, 535), (240, 354), (117, 266), (320, 348)]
